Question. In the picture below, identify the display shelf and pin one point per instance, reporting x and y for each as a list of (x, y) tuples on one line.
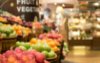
[(82, 37), (80, 43), (96, 43), (79, 31)]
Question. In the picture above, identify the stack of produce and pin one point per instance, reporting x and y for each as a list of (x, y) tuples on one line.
[(3, 19), (27, 24), (21, 56), (21, 31), (52, 43), (13, 19), (52, 35), (7, 31), (39, 45), (37, 28)]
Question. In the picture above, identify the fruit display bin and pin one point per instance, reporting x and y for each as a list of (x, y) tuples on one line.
[(7, 43)]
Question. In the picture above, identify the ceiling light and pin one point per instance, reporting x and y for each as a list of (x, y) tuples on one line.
[(55, 3), (63, 5), (96, 4)]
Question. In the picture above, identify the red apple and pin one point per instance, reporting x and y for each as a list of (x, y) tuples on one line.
[(39, 57)]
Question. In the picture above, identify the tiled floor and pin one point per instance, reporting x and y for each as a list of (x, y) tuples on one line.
[(83, 56)]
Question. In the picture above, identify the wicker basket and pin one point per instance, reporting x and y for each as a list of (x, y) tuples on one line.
[(7, 43)]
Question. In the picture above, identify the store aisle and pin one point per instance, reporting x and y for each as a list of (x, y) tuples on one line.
[(83, 56)]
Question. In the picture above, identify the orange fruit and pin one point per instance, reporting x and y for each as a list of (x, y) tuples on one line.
[(55, 49), (33, 41)]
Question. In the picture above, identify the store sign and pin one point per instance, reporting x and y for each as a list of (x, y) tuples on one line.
[(26, 9)]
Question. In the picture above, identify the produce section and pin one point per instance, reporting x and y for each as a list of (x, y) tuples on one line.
[(26, 42)]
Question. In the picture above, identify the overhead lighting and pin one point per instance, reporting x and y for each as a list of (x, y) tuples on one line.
[(63, 5), (96, 4), (55, 3)]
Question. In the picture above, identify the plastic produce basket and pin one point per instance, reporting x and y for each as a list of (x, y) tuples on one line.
[(8, 43)]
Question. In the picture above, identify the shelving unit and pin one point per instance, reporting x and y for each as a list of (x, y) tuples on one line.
[(96, 35), (80, 33)]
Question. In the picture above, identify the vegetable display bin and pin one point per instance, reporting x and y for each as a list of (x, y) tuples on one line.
[(8, 43)]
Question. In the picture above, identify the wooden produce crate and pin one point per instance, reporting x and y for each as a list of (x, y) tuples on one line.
[(8, 43)]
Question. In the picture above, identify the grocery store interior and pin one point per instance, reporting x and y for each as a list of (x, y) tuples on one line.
[(49, 31)]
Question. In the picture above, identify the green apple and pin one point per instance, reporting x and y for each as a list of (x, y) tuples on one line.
[(45, 53), (51, 54), (12, 35), (46, 47), (18, 43), (34, 46), (22, 47), (3, 35), (30, 49), (27, 45), (40, 47)]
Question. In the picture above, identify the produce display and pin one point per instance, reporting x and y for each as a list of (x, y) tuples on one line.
[(3, 19), (12, 31), (21, 30), (79, 28), (44, 46), (11, 19), (49, 42), (37, 28), (52, 35), (41, 46), (21, 56), (7, 31), (96, 32)]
